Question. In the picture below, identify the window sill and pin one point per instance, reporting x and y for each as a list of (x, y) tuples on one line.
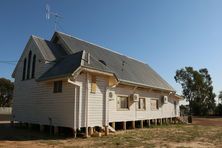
[(123, 109), (28, 79), (57, 92), (154, 109), (141, 110)]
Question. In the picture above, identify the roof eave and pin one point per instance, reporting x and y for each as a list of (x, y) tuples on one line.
[(53, 78), (179, 97), (145, 86)]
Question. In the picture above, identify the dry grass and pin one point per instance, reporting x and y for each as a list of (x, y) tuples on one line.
[(160, 136), (165, 136)]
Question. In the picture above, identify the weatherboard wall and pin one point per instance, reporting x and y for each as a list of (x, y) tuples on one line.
[(164, 111), (35, 102)]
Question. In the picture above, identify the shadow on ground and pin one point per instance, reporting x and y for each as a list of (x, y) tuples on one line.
[(16, 133)]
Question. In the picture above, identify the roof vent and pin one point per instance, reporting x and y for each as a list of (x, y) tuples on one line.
[(103, 62)]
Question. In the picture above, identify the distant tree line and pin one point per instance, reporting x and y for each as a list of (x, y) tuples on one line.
[(196, 85), (6, 92), (218, 109), (197, 89)]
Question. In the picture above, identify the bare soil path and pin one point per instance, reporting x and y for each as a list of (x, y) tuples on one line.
[(207, 121)]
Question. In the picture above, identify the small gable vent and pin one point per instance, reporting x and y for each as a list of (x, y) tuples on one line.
[(103, 62)]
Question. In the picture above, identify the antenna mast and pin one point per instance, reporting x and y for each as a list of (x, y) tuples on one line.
[(54, 15)]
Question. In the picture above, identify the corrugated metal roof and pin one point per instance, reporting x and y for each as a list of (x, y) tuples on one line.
[(63, 67), (49, 50), (126, 69)]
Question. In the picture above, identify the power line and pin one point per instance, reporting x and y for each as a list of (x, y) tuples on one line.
[(14, 62), (8, 62)]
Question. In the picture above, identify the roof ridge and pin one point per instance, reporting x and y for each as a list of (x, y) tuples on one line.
[(34, 36), (108, 49), (40, 38)]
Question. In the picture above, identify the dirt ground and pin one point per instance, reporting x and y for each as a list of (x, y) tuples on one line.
[(207, 121), (205, 132)]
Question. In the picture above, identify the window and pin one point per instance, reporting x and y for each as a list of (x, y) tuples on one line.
[(57, 87), (29, 64), (33, 66), (24, 69), (141, 104), (122, 102), (93, 84), (154, 104)]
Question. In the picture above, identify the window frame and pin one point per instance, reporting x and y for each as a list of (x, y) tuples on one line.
[(93, 84), (58, 86), (157, 105), (33, 66), (118, 107), (24, 69), (29, 65), (138, 104)]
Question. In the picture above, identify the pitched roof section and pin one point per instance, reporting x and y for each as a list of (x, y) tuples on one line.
[(49, 50), (126, 69), (97, 65), (63, 67)]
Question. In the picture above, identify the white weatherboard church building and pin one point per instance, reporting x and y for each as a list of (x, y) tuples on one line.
[(68, 82)]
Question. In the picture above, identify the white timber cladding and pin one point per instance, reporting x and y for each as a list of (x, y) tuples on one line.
[(35, 102), (96, 110), (164, 111)]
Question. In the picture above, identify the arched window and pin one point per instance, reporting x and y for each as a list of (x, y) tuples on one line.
[(29, 64), (24, 69), (33, 66)]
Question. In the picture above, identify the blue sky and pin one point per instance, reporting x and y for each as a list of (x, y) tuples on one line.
[(168, 35)]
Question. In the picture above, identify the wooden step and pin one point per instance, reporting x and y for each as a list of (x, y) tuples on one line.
[(111, 129)]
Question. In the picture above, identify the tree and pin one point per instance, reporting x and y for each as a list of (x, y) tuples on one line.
[(6, 90), (220, 96), (218, 110), (197, 90)]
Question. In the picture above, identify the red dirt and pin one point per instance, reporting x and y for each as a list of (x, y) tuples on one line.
[(207, 121)]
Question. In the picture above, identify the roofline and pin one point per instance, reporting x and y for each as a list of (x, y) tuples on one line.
[(53, 78), (80, 68), (57, 32), (89, 69), (144, 85), (179, 97), (31, 38)]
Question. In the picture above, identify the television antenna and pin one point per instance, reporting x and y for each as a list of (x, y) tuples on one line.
[(52, 15)]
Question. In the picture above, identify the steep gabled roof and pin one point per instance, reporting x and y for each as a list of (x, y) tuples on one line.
[(63, 67), (67, 65), (68, 55), (127, 70), (49, 50)]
